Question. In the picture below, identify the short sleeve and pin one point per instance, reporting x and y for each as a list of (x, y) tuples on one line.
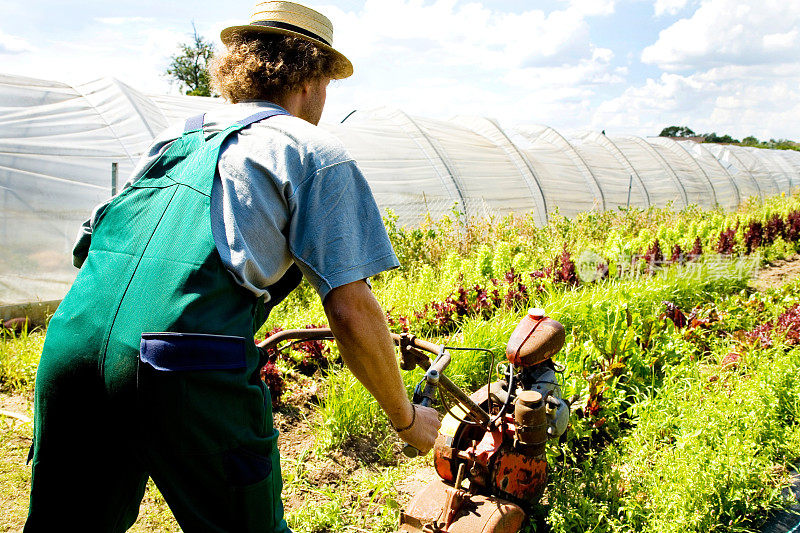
[(336, 233)]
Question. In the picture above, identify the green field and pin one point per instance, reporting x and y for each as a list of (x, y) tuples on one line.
[(682, 374)]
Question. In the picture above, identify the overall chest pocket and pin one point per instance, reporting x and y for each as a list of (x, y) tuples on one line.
[(194, 393)]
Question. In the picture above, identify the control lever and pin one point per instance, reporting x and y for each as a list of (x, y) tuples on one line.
[(423, 397)]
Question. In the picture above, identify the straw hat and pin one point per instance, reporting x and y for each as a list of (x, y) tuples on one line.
[(292, 19)]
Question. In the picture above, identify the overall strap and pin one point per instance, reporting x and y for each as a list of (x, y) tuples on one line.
[(261, 115), (200, 167), (194, 123), (215, 143)]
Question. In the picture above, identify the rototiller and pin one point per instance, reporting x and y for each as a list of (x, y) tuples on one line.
[(490, 452)]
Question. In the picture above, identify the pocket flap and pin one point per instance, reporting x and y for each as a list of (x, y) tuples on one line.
[(192, 351)]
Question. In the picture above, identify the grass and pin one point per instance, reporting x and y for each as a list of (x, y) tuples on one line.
[(710, 452), (709, 449), (370, 502), (664, 437), (19, 357), (14, 477)]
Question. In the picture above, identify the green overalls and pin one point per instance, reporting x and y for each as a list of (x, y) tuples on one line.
[(149, 368)]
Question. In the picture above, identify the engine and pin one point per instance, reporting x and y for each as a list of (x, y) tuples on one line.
[(508, 459), (493, 471)]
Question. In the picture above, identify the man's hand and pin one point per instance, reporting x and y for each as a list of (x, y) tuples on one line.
[(422, 433), (359, 325)]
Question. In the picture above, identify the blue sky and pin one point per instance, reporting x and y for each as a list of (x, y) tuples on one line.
[(625, 66)]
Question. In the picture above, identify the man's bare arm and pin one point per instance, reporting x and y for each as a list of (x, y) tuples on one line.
[(359, 325)]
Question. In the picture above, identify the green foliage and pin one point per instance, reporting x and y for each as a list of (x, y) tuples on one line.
[(19, 357), (677, 131), (714, 138), (623, 364), (707, 447), (348, 410), (189, 67), (750, 140)]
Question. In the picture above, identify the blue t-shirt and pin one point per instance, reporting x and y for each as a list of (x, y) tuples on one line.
[(286, 191)]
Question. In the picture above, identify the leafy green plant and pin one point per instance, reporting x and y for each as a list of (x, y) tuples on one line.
[(19, 357)]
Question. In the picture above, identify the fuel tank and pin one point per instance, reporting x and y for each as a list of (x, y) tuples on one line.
[(535, 339)]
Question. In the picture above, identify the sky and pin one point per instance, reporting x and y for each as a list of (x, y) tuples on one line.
[(629, 67)]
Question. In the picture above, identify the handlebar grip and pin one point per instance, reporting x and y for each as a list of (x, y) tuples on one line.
[(409, 450)]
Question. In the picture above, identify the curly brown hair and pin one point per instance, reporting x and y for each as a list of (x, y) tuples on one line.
[(265, 67)]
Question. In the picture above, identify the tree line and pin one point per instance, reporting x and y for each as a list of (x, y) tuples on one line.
[(750, 140)]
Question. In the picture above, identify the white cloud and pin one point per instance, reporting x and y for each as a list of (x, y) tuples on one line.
[(739, 100), (593, 7), (723, 32), (10, 44), (739, 73), (461, 33), (669, 7), (445, 58), (119, 21), (136, 54), (780, 41)]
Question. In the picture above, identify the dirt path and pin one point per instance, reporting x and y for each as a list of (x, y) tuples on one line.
[(777, 273)]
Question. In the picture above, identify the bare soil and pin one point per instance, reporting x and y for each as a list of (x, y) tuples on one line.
[(17, 407), (295, 419), (777, 273)]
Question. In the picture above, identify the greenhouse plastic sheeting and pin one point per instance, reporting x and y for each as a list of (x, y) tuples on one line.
[(57, 146), (58, 143)]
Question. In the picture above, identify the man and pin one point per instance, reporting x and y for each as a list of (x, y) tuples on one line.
[(149, 368)]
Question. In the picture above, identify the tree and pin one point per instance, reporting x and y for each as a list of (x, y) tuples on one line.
[(676, 131), (190, 67), (714, 138), (785, 144)]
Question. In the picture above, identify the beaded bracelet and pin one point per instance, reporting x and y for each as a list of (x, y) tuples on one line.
[(413, 419)]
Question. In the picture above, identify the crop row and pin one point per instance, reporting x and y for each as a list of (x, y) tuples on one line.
[(665, 343), (499, 285)]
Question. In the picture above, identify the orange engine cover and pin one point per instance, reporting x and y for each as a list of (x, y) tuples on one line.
[(520, 476)]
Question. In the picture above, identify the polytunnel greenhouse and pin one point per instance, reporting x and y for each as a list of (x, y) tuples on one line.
[(65, 148)]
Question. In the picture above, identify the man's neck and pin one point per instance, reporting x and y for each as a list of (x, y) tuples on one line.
[(291, 102)]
